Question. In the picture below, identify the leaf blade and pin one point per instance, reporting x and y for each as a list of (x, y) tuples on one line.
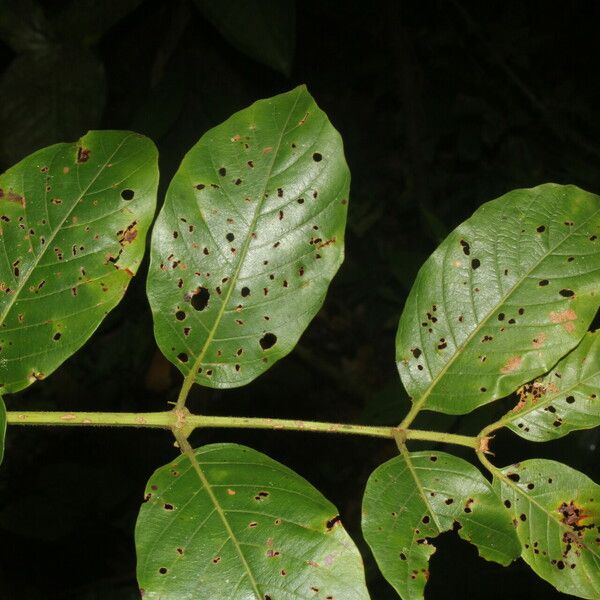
[(502, 299), (277, 519), (252, 228), (564, 400), (418, 495), (63, 268), (556, 510)]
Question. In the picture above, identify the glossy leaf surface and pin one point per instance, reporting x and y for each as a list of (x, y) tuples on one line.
[(264, 31), (564, 400), (505, 296), (2, 428), (415, 497), (556, 511), (256, 530), (73, 221), (248, 240)]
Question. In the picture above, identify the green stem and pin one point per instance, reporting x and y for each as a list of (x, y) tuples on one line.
[(410, 416), (161, 420), (184, 420)]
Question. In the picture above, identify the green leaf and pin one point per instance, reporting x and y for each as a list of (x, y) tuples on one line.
[(73, 221), (265, 31), (255, 530), (249, 237), (2, 428), (506, 295), (416, 496), (556, 511), (564, 400), (52, 94), (23, 26)]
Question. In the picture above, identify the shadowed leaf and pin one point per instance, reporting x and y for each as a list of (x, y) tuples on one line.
[(264, 31), (23, 26), (52, 94)]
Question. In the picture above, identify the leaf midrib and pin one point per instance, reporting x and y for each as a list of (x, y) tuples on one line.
[(190, 377), (549, 399), (421, 401), (34, 264), (542, 508)]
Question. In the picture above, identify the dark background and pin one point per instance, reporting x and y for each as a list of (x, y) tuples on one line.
[(442, 105)]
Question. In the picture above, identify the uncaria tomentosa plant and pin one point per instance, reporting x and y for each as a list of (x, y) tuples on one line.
[(249, 237)]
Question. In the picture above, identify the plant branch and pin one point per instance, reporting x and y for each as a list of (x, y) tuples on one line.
[(183, 420), (160, 420)]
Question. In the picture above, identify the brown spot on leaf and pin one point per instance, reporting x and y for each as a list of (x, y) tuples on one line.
[(566, 317), (512, 364), (83, 154), (539, 340), (127, 235), (573, 515)]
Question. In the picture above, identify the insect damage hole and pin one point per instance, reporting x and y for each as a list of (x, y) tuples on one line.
[(268, 341), (127, 194), (200, 299)]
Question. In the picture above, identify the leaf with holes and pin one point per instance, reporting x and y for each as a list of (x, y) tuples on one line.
[(415, 497), (264, 31), (248, 240), (73, 219), (2, 428), (556, 512), (505, 296), (564, 400), (243, 526)]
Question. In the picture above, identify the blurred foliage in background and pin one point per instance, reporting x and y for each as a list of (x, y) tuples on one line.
[(442, 105)]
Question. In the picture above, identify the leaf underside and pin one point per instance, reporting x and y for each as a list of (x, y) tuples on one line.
[(73, 219), (564, 400), (556, 512), (504, 297), (248, 240), (258, 530), (416, 496)]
